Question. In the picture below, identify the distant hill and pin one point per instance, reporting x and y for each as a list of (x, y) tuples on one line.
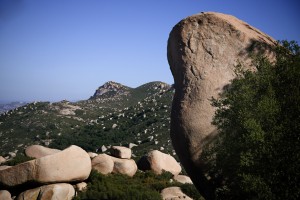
[(4, 107), (114, 115)]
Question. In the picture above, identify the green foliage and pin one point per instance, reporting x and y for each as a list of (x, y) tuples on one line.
[(258, 148), (191, 191), (142, 186)]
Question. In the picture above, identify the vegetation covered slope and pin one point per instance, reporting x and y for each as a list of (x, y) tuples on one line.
[(114, 115)]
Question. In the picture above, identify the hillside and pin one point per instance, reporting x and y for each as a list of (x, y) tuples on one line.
[(114, 115)]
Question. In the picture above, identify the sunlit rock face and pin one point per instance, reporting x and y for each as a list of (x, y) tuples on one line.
[(202, 52)]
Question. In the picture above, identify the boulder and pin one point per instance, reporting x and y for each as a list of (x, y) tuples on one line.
[(174, 193), (71, 164), (183, 179), (124, 166), (2, 160), (38, 151), (159, 162), (131, 145), (202, 52), (58, 191), (120, 152), (81, 186), (92, 154), (5, 195), (103, 164)]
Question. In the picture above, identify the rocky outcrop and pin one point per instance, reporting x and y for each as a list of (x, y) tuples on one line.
[(159, 162), (111, 88), (124, 166), (103, 164), (5, 195), (38, 151), (59, 191), (120, 152), (174, 193), (183, 179), (202, 52), (71, 164)]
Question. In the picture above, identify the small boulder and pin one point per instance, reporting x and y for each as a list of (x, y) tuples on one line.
[(124, 166), (103, 164), (92, 154), (2, 160), (5, 195), (55, 191), (71, 164), (120, 152), (3, 167), (159, 162), (131, 145), (174, 193), (81, 186), (38, 151), (183, 179)]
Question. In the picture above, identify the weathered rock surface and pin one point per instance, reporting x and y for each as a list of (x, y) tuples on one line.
[(202, 52), (71, 164), (174, 193), (183, 179), (3, 167), (124, 166), (81, 186), (92, 154), (103, 164), (60, 191), (38, 151), (159, 162), (5, 195), (120, 152), (2, 160)]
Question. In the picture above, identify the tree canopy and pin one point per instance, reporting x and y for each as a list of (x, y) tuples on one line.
[(257, 153)]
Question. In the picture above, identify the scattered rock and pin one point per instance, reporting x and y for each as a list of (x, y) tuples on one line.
[(38, 151), (81, 186), (71, 164), (58, 191), (159, 162), (103, 149), (103, 164), (124, 166), (174, 193), (120, 152), (131, 145), (183, 179), (5, 195), (202, 52)]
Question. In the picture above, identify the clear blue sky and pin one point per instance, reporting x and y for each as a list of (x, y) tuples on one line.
[(64, 49)]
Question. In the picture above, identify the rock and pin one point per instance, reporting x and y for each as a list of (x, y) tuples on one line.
[(2, 160), (81, 186), (103, 148), (120, 152), (38, 151), (159, 162), (202, 52), (103, 164), (174, 193), (183, 179), (58, 191), (124, 166), (131, 145), (5, 195), (71, 164), (92, 154), (3, 167)]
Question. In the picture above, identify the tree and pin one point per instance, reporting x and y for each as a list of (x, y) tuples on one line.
[(258, 149)]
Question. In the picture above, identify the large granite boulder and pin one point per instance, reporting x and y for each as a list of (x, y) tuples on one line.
[(38, 151), (183, 179), (159, 162), (103, 164), (60, 191), (202, 52), (71, 164), (120, 152), (124, 166)]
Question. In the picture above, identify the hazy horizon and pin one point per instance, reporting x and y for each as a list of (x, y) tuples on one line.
[(61, 49)]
